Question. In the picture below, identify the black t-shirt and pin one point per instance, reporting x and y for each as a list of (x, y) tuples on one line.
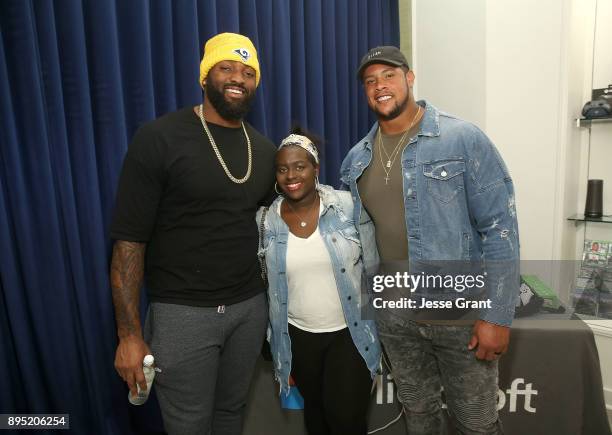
[(199, 226)]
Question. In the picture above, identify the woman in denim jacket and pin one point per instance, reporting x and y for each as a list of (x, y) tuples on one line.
[(313, 253)]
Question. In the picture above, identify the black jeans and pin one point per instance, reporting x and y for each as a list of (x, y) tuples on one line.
[(333, 379)]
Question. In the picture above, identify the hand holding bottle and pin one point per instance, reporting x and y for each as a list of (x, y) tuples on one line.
[(149, 374), (128, 361)]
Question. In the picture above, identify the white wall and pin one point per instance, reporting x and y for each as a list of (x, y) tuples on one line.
[(448, 54), (602, 67)]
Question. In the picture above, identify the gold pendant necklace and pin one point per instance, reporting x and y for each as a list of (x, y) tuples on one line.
[(391, 158), (303, 222)]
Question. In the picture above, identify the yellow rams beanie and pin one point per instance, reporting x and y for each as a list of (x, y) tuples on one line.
[(229, 46)]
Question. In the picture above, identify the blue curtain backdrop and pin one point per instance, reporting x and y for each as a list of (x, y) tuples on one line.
[(76, 80)]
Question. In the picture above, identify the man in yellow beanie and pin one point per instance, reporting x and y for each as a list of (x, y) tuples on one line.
[(184, 221)]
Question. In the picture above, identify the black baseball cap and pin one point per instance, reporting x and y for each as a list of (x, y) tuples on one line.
[(386, 54)]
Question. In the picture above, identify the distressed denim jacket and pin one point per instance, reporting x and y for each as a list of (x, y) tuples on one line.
[(459, 204), (344, 245)]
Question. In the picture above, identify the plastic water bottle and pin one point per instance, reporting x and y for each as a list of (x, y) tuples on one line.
[(149, 374)]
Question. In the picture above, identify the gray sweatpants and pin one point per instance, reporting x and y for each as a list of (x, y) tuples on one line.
[(207, 358)]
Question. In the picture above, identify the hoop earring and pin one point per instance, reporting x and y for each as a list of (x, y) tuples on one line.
[(276, 188)]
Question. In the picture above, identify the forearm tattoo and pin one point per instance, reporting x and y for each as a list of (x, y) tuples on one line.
[(127, 271)]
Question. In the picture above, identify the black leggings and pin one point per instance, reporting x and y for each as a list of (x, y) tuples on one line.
[(334, 381)]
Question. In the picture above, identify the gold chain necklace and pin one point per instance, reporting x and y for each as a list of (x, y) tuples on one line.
[(390, 161), (218, 154), (387, 167)]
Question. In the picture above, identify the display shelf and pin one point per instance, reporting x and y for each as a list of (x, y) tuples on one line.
[(578, 218), (583, 122)]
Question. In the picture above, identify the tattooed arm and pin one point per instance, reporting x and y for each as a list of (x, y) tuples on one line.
[(127, 271)]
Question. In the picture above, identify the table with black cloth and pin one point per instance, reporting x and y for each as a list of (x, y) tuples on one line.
[(550, 383)]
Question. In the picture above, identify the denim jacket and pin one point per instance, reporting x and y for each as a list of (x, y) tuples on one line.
[(343, 242), (459, 203)]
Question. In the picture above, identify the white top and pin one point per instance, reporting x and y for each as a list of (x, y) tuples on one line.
[(313, 300)]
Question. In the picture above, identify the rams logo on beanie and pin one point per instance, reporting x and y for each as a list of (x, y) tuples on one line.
[(243, 53), (229, 46)]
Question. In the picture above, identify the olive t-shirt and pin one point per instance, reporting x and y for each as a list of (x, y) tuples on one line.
[(381, 191)]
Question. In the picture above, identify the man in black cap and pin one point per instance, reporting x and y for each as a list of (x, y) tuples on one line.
[(441, 199)]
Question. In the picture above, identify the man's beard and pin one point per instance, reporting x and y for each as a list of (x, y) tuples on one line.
[(230, 110), (397, 110)]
